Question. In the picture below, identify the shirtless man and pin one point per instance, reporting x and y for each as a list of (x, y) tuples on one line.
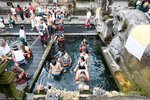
[(82, 75), (55, 69)]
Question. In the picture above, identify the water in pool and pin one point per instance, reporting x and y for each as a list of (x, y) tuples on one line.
[(99, 73)]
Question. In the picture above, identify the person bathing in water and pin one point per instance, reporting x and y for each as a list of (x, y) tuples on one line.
[(84, 42), (55, 69), (82, 76), (81, 65), (84, 46), (66, 61), (85, 55), (81, 70)]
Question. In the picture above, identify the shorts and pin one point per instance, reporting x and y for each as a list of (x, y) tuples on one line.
[(56, 76)]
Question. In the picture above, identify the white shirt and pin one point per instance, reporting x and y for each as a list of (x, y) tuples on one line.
[(40, 9), (138, 2), (43, 26), (37, 18), (88, 15), (4, 50), (13, 11), (53, 17), (18, 55), (2, 25), (22, 34)]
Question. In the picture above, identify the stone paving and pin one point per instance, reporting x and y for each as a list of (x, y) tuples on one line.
[(68, 29)]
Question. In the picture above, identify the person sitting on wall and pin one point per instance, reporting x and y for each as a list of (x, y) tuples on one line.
[(21, 75), (66, 61), (27, 51), (6, 52), (55, 69), (18, 55)]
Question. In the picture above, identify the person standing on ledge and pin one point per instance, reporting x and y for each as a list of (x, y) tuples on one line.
[(88, 16), (43, 31), (23, 36)]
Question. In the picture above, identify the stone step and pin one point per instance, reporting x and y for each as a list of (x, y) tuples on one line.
[(4, 11), (84, 95)]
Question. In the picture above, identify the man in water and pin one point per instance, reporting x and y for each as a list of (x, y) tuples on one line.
[(82, 76), (55, 69)]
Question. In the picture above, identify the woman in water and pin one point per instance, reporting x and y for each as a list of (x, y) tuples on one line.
[(81, 65), (55, 69), (85, 55)]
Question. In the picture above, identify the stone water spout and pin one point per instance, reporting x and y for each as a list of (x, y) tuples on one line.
[(136, 71)]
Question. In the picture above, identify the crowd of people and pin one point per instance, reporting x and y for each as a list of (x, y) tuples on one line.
[(62, 64), (32, 13), (15, 55), (43, 21)]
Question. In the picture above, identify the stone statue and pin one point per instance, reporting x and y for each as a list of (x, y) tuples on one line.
[(137, 71)]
